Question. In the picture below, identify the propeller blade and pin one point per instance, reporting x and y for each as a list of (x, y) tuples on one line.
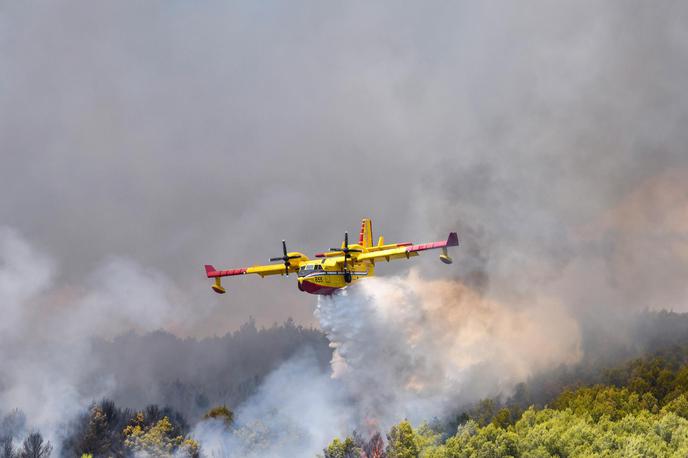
[(346, 240), (286, 257)]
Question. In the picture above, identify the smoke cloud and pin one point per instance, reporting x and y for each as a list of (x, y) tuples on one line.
[(49, 369), (412, 348), (181, 134), (294, 413), (405, 347)]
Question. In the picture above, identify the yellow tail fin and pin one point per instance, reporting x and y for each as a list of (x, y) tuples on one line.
[(366, 237)]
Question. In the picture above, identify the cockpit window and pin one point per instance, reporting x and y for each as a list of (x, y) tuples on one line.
[(309, 268)]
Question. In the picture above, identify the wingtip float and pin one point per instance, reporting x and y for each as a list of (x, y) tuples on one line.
[(338, 267)]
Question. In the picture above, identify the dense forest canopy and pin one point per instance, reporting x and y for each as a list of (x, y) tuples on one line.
[(163, 383), (638, 408), (164, 389)]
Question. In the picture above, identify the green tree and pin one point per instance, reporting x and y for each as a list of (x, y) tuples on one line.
[(401, 442), (679, 406), (342, 449), (158, 440), (601, 400), (484, 412), (502, 418)]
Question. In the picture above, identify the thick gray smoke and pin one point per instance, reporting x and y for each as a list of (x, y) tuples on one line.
[(190, 133), (174, 134), (405, 347), (48, 367)]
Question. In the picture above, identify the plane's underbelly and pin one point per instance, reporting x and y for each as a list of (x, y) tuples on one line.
[(327, 282)]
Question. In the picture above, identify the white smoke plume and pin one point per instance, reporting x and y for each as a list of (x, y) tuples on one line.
[(405, 347), (46, 329), (295, 413), (413, 348)]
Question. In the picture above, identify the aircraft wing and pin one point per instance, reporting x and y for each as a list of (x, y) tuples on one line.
[(407, 251), (269, 269)]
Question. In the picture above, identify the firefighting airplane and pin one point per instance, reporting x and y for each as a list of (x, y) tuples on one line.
[(338, 267)]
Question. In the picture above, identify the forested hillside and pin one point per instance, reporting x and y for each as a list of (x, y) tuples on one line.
[(161, 386), (190, 375), (635, 408), (624, 398), (641, 410)]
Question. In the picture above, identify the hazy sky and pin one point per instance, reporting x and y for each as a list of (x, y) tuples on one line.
[(174, 134)]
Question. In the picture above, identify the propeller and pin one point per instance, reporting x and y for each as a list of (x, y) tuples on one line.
[(285, 258), (346, 250)]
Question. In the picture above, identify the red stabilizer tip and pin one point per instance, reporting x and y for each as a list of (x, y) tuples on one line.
[(209, 270)]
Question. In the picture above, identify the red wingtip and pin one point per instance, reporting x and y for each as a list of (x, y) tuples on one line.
[(209, 270)]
